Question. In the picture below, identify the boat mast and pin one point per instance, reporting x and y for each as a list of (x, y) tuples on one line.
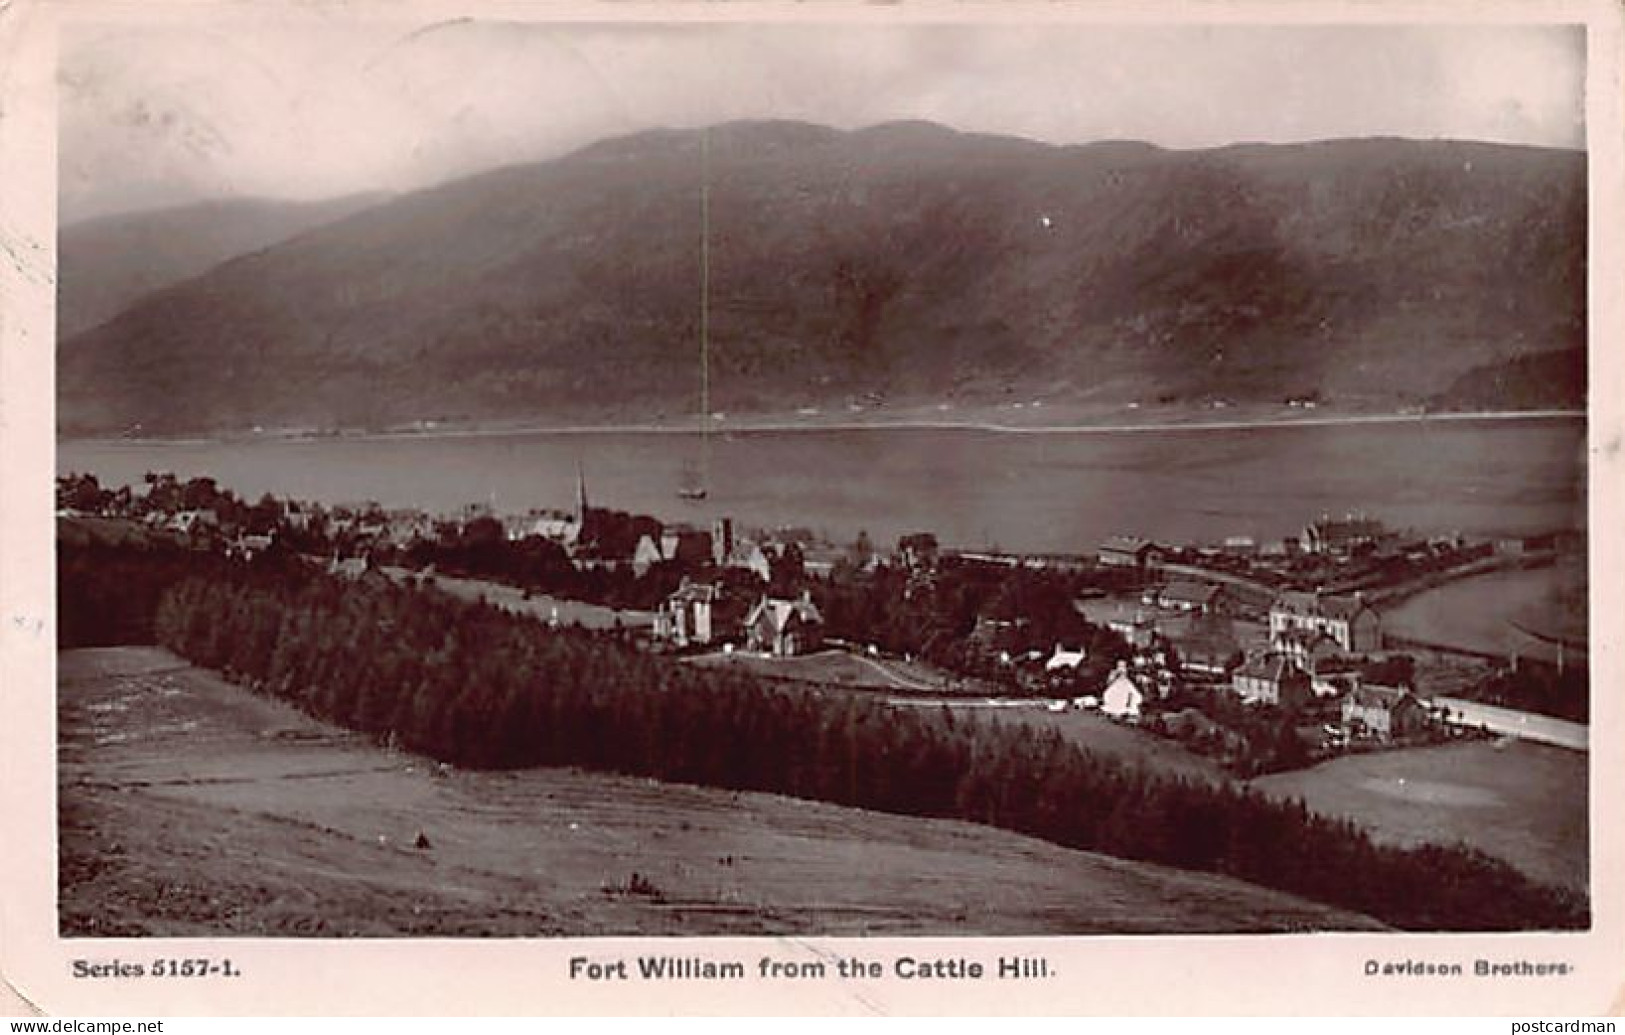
[(705, 306)]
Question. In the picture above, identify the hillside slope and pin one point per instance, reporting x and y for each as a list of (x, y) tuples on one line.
[(902, 264), (172, 778), (110, 262)]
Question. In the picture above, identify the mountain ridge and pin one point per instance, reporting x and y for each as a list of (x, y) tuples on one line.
[(892, 265), (109, 262)]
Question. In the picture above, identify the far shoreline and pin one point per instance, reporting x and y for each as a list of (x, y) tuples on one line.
[(781, 425)]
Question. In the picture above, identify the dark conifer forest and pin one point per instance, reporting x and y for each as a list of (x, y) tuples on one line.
[(470, 684)]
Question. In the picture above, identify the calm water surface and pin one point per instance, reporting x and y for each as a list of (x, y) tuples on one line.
[(1059, 492), (1497, 611)]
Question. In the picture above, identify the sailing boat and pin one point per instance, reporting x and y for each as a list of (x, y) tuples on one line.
[(694, 487)]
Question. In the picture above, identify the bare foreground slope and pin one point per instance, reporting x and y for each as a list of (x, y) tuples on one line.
[(192, 807)]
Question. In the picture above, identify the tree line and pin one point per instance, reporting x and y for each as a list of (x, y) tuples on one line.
[(108, 592), (477, 686), (969, 618)]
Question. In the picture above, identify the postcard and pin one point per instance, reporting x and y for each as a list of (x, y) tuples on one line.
[(556, 508)]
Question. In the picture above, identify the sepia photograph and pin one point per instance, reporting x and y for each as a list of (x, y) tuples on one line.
[(661, 473)]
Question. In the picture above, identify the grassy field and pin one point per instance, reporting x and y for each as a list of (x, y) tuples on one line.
[(191, 807), (1101, 735), (1086, 729), (1521, 802), (835, 668), (84, 530), (566, 612)]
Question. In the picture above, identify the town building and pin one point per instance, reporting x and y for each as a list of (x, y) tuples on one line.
[(192, 522), (1063, 660), (918, 551), (750, 557), (687, 617), (820, 559), (1352, 623), (1127, 551), (1187, 595), (248, 547), (407, 527), (1273, 680), (991, 635), (558, 526), (1205, 646), (349, 567), (645, 556), (1375, 712), (1342, 536), (516, 527), (1336, 678), (684, 543), (1519, 546), (1122, 698), (1311, 649), (1133, 625), (784, 627), (1278, 549)]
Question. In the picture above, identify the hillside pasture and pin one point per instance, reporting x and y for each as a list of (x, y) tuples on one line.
[(1521, 802), (191, 807), (837, 668), (540, 605)]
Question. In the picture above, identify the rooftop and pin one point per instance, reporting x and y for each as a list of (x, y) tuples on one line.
[(1190, 592), (1272, 667), (1126, 544), (780, 611), (1315, 605), (1374, 695)]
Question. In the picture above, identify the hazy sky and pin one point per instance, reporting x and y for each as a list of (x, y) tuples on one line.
[(315, 108)]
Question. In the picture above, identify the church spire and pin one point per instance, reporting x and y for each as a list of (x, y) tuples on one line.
[(581, 494)]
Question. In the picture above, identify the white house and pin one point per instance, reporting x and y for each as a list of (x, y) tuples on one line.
[(1122, 697), (349, 567), (1273, 679), (1065, 659), (646, 556), (785, 627), (561, 527), (247, 547), (685, 618)]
